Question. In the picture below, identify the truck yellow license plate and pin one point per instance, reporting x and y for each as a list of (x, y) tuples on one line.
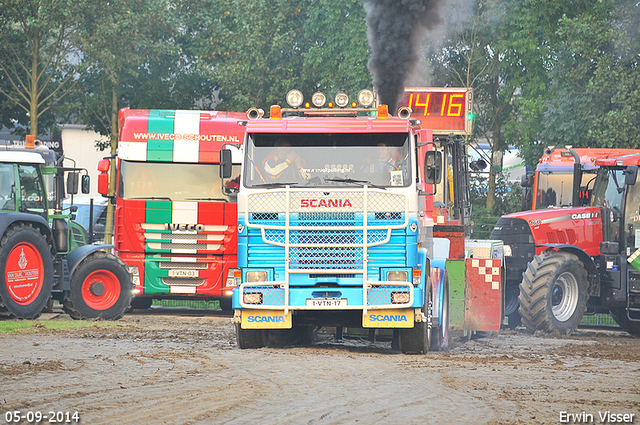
[(266, 319), (183, 273), (326, 302)]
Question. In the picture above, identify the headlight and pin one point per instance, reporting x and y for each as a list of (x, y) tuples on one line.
[(397, 276), (318, 99), (135, 275), (365, 98), (257, 276), (507, 251), (234, 277), (295, 98), (342, 100)]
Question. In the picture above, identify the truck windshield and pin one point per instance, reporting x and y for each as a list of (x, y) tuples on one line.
[(176, 181), (339, 159)]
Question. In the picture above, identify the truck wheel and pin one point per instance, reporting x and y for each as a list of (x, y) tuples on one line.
[(225, 304), (250, 338), (619, 314), (553, 292), (26, 267), (100, 288), (511, 305), (418, 338), (141, 303), (440, 336)]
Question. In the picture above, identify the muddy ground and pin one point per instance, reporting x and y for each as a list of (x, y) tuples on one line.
[(168, 366)]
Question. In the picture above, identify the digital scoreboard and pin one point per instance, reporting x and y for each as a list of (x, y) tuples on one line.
[(443, 110)]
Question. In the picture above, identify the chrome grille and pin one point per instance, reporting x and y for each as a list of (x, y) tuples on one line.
[(191, 266)]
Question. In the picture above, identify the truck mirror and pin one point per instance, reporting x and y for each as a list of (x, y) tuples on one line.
[(103, 184), (526, 180), (630, 175), (433, 167), (72, 183), (85, 184), (226, 166)]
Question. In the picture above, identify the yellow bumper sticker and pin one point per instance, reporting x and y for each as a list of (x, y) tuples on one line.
[(388, 318), (265, 319)]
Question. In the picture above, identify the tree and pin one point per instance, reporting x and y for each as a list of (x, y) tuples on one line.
[(40, 54), (255, 52)]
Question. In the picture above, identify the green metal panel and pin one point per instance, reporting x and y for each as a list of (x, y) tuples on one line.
[(160, 150), (456, 272)]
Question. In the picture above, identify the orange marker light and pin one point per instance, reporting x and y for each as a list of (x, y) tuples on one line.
[(383, 111), (30, 141), (275, 112)]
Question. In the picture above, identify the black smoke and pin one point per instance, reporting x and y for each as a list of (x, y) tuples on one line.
[(394, 31)]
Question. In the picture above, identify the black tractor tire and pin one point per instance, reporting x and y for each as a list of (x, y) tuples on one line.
[(101, 288), (225, 304), (141, 303), (553, 292), (25, 297), (250, 338), (619, 314), (512, 305), (440, 336), (418, 339)]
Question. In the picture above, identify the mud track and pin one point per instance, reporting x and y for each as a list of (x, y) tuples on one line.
[(169, 366)]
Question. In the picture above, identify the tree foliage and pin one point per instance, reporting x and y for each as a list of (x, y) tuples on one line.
[(40, 56)]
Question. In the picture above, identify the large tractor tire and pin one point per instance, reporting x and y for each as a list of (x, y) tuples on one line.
[(26, 267), (512, 305), (620, 316), (418, 338), (553, 292), (250, 338), (101, 287), (440, 336)]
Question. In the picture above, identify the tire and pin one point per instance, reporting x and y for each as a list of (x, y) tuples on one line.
[(619, 314), (418, 338), (440, 336), (225, 304), (141, 303), (512, 305), (101, 287), (553, 292), (24, 249), (250, 338)]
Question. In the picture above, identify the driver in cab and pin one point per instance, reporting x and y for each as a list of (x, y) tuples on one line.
[(283, 163)]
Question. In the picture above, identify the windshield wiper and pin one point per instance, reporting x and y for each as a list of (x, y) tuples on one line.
[(275, 184), (360, 182), (206, 199), (151, 198)]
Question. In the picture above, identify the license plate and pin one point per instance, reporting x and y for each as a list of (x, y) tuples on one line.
[(326, 302), (183, 273)]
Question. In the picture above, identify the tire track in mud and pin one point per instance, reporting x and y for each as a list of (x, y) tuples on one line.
[(175, 370)]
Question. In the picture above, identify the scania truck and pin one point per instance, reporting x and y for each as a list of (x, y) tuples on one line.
[(336, 221)]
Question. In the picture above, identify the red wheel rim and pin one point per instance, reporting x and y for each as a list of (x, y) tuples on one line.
[(101, 290), (24, 273)]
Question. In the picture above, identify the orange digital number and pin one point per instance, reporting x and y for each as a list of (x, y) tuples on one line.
[(455, 109), (425, 104)]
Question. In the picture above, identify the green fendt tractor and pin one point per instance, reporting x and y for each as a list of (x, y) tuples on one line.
[(43, 253)]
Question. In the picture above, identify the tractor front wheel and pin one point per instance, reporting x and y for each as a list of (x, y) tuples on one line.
[(100, 288)]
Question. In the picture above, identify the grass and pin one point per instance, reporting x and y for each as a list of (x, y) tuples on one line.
[(198, 304), (32, 326)]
